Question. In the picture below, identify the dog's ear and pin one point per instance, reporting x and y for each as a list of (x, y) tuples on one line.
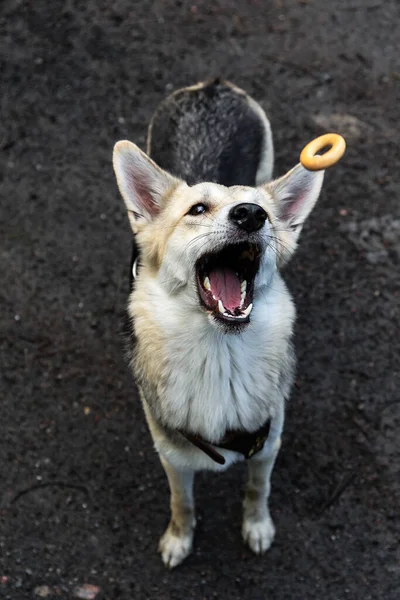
[(141, 182), (295, 195)]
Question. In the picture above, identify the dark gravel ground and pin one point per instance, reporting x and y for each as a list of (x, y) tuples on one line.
[(82, 495)]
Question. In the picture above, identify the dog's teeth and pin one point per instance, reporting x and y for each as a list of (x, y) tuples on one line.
[(221, 307), (243, 287), (206, 283), (248, 310)]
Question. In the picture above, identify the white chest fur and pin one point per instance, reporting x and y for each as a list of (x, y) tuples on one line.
[(214, 381)]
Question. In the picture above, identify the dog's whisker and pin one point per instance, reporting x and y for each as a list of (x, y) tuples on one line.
[(195, 240), (286, 246), (165, 227)]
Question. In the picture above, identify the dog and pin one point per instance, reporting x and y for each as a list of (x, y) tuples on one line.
[(211, 318)]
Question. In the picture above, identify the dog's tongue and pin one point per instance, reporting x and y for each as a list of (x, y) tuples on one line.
[(225, 286)]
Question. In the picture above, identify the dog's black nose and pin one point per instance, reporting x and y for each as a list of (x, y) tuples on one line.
[(247, 216)]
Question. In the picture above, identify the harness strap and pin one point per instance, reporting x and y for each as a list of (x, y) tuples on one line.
[(244, 443)]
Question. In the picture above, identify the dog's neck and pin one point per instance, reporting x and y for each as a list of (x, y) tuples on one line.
[(211, 380)]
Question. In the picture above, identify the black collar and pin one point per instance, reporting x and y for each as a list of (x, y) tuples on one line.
[(243, 442)]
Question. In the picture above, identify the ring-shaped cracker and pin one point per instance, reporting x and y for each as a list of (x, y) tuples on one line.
[(317, 162)]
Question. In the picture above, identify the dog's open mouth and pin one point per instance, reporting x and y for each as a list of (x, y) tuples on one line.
[(225, 281)]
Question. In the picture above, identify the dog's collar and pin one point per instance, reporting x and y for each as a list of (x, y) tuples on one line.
[(242, 442)]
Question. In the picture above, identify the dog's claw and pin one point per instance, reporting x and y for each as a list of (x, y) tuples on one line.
[(258, 534), (174, 549)]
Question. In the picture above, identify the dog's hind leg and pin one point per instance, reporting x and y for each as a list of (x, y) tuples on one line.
[(176, 543), (258, 529)]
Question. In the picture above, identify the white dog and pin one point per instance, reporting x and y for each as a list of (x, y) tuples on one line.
[(211, 317)]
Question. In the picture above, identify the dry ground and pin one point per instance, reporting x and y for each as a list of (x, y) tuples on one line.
[(82, 495)]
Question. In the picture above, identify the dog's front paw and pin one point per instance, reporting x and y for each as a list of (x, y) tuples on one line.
[(175, 548), (258, 534)]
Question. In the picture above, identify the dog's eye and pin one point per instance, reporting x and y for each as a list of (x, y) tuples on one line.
[(197, 209)]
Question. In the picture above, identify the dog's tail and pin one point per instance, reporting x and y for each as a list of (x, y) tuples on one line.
[(212, 131)]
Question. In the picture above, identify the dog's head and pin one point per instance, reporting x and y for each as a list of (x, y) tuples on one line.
[(219, 245)]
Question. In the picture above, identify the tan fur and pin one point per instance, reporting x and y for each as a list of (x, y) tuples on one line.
[(150, 352), (194, 375), (150, 356), (182, 514), (153, 237), (177, 540)]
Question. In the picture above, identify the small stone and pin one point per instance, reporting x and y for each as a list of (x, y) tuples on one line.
[(326, 77), (42, 591), (375, 257), (86, 591)]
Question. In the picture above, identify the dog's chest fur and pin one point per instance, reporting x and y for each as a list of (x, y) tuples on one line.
[(196, 378)]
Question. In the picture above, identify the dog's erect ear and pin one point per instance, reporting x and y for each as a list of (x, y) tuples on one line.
[(295, 195), (141, 182)]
